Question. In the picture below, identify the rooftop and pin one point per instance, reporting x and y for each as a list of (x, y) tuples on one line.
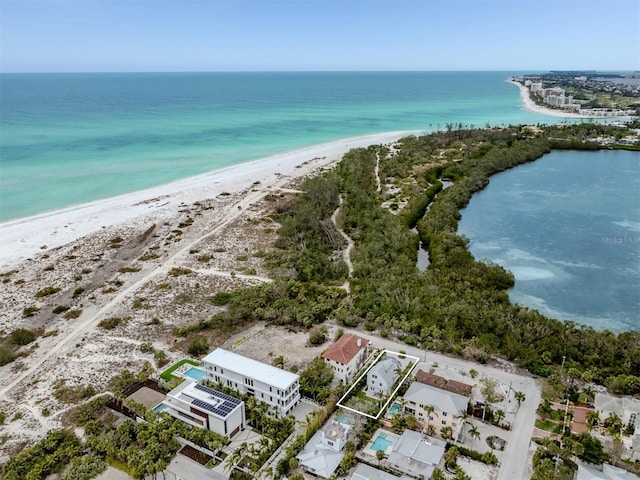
[(441, 400), (319, 458), (206, 398), (415, 453), (366, 472), (386, 368), (335, 431), (347, 347), (444, 384), (251, 368)]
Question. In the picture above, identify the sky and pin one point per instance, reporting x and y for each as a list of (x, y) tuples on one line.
[(301, 35)]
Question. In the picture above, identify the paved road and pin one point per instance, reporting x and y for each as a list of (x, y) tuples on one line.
[(515, 456)]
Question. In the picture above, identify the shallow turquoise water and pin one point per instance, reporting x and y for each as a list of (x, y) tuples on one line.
[(568, 227), (67, 139)]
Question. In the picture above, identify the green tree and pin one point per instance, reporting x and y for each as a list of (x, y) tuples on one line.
[(198, 346), (316, 379), (446, 433), (474, 433), (451, 457)]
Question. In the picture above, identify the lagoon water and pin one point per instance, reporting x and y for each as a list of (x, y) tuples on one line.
[(67, 139), (568, 227)]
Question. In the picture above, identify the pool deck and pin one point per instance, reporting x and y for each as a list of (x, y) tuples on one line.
[(393, 437), (183, 368)]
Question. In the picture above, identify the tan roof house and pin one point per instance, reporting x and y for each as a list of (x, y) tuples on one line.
[(346, 356)]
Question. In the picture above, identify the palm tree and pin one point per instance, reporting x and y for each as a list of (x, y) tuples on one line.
[(379, 456), (544, 410), (429, 409), (520, 397), (438, 475), (474, 432), (499, 416), (593, 419)]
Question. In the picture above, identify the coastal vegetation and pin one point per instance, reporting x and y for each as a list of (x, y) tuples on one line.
[(459, 304)]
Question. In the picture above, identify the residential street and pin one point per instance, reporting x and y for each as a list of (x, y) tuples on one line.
[(514, 458)]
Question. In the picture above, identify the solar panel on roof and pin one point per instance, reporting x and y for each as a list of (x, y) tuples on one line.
[(223, 396)]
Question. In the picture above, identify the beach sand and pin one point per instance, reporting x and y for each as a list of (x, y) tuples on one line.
[(531, 106), (151, 258)]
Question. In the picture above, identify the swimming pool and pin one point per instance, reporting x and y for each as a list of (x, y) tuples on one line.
[(393, 409), (160, 407), (381, 442), (194, 373)]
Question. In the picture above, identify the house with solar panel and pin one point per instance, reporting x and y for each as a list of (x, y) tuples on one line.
[(204, 407), (276, 387)]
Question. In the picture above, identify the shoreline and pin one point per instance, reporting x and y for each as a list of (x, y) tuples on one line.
[(25, 237), (533, 107)]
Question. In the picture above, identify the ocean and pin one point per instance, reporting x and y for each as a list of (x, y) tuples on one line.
[(568, 227), (67, 139)]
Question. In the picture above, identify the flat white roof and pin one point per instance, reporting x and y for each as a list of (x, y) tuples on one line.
[(251, 368)]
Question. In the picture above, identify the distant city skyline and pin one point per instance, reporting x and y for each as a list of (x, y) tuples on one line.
[(308, 35)]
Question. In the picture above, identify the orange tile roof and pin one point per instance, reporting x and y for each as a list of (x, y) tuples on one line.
[(345, 348), (443, 384)]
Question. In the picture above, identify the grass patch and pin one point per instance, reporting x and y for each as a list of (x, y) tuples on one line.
[(547, 425), (167, 375)]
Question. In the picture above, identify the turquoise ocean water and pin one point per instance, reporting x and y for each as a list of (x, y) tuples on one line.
[(66, 139), (568, 227)]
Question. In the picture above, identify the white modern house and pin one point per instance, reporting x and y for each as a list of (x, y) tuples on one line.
[(274, 386), (382, 376), (346, 356), (323, 452), (204, 407), (608, 472)]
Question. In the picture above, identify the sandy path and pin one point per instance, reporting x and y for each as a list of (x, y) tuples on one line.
[(346, 254)]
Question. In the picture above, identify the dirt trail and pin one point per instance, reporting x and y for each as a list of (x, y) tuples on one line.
[(232, 212), (346, 254)]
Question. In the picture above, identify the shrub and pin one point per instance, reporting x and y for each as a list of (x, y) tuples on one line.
[(77, 292), (60, 309), (30, 311), (6, 356), (110, 323), (177, 271), (71, 314), (221, 298), (22, 336), (45, 292), (199, 345), (318, 335)]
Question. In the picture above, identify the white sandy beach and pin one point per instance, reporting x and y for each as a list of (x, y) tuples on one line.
[(531, 106), (22, 238), (212, 225)]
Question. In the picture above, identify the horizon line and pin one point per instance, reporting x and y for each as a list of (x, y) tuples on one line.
[(316, 71)]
